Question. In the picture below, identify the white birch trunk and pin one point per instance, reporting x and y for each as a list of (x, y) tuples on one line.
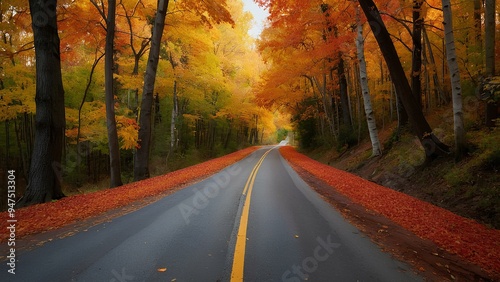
[(456, 89), (363, 77)]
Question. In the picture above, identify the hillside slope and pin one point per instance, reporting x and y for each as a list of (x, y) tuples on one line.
[(470, 188)]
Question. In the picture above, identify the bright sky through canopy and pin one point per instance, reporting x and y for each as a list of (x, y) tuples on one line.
[(259, 17)]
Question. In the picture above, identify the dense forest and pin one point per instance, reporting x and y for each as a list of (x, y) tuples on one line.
[(200, 102), (331, 66), (118, 91)]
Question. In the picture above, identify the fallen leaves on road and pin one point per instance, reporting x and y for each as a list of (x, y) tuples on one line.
[(464, 237), (49, 216)]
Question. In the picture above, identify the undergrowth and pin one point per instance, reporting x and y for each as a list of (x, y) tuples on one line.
[(470, 187)]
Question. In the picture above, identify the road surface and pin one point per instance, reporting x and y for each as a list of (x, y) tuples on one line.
[(254, 221)]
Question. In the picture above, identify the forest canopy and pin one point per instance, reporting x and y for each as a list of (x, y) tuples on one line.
[(319, 73)]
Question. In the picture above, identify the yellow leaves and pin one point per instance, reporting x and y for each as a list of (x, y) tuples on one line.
[(127, 132), (18, 96), (93, 126), (162, 269)]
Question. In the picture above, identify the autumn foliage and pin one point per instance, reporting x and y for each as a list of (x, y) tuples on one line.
[(50, 216), (458, 235)]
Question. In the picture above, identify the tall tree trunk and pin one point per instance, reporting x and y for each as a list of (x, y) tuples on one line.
[(456, 90), (432, 61), (19, 148), (432, 145), (402, 114), (141, 162), (327, 106), (489, 36), (363, 78), (344, 99), (418, 21), (477, 22), (228, 135), (87, 88), (44, 174), (113, 144)]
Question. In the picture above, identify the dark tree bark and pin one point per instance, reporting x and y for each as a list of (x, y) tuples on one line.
[(113, 144), (418, 21), (44, 179), (489, 36), (87, 89), (477, 21), (435, 78), (344, 99), (432, 145), (141, 162)]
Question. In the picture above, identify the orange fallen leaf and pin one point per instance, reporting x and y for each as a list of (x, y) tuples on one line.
[(53, 215), (464, 237), (163, 269)]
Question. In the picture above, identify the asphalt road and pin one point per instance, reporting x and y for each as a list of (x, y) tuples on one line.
[(254, 221)]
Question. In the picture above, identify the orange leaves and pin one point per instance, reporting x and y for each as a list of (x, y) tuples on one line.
[(49, 216), (216, 10), (303, 40), (464, 237)]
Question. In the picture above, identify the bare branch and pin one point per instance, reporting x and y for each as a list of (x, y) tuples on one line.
[(101, 9)]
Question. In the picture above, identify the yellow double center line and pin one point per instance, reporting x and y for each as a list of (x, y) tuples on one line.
[(241, 238)]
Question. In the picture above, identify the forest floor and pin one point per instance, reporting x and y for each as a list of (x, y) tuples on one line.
[(470, 187)]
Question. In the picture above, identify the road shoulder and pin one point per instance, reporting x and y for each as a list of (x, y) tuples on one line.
[(424, 255)]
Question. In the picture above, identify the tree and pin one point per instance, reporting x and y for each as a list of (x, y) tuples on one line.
[(137, 52), (87, 89), (418, 22), (113, 144), (432, 145), (218, 13), (456, 89), (311, 40), (44, 179), (141, 161), (477, 21), (489, 36), (370, 117), (344, 99)]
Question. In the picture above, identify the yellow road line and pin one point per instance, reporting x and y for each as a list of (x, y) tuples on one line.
[(241, 238), (254, 171)]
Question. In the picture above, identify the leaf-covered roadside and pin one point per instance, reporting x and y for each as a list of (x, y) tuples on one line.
[(464, 237), (49, 216)]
